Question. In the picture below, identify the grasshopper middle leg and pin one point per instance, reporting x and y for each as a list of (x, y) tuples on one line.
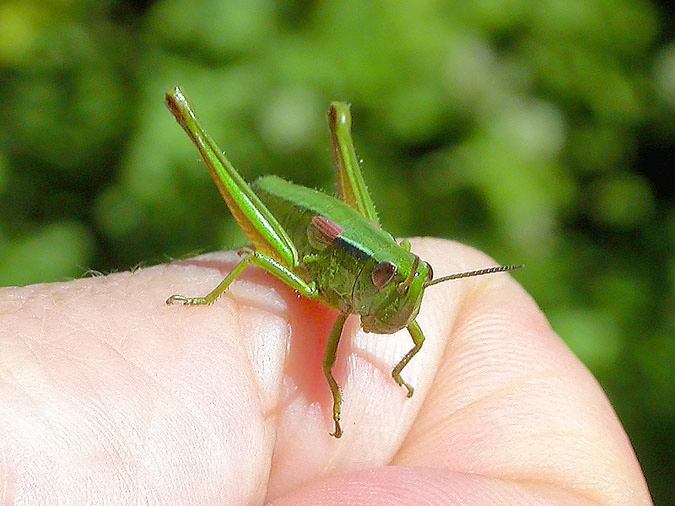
[(328, 362), (418, 340)]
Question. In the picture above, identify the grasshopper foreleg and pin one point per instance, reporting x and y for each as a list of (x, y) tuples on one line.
[(418, 339)]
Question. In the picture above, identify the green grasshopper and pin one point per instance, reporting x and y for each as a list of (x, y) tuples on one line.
[(326, 248)]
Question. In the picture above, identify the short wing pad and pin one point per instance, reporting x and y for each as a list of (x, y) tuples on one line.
[(323, 232)]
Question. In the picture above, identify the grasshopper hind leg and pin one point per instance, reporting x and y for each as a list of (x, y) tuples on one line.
[(269, 264), (351, 187), (211, 297)]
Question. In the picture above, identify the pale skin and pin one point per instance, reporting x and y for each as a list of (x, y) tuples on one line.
[(109, 395)]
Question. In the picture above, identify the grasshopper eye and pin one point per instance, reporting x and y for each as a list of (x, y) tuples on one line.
[(382, 274), (430, 276)]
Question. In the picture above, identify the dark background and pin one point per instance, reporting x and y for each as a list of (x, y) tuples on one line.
[(539, 131)]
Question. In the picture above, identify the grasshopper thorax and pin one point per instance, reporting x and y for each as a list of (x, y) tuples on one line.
[(388, 292)]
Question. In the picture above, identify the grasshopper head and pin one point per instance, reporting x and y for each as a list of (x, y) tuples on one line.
[(389, 289), (388, 293)]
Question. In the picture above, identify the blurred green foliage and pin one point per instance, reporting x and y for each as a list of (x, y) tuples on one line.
[(539, 131)]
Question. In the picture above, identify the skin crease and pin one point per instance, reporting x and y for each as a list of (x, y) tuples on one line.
[(107, 395)]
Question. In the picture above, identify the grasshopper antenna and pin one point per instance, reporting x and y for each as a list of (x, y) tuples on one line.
[(469, 274)]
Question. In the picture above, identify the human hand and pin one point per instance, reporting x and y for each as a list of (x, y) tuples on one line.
[(107, 395)]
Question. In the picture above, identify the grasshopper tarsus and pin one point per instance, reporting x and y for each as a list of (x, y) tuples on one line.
[(174, 298), (403, 384), (188, 301), (338, 431)]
